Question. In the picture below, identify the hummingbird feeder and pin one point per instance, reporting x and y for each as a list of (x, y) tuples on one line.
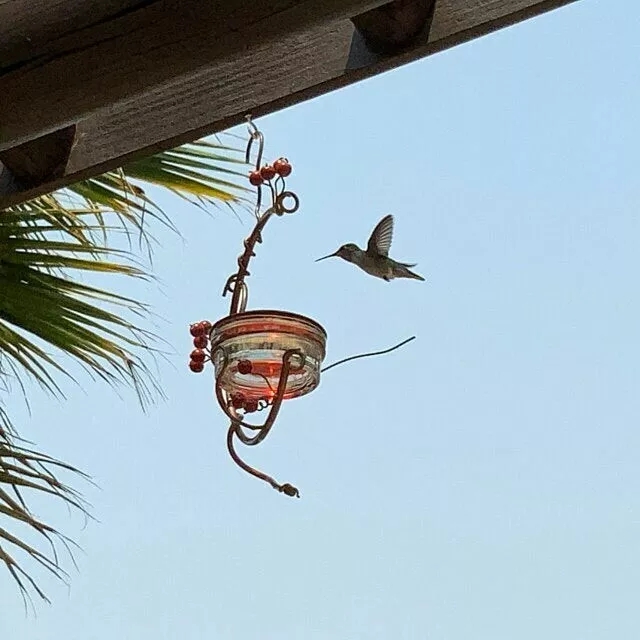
[(249, 350), (261, 357)]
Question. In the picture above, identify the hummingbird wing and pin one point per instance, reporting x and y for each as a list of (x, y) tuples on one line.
[(380, 240)]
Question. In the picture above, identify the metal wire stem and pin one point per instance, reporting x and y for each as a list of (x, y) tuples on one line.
[(235, 428), (236, 284), (366, 355)]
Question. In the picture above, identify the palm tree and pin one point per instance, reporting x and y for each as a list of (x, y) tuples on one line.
[(45, 244)]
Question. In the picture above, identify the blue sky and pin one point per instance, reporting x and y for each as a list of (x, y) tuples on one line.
[(482, 482)]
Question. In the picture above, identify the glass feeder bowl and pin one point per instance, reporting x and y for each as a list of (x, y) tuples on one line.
[(262, 338)]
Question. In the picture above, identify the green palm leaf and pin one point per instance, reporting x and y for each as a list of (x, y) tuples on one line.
[(56, 309), (50, 317), (25, 471)]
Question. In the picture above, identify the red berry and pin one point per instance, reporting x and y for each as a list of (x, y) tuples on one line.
[(267, 172), (255, 178), (196, 329), (237, 400), (244, 366), (282, 167), (250, 406), (200, 342), (196, 366), (198, 355)]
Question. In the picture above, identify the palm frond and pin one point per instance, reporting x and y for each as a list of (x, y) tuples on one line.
[(191, 171), (50, 316), (26, 471), (40, 300)]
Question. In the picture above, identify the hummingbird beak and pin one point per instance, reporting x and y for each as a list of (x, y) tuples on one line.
[(331, 255)]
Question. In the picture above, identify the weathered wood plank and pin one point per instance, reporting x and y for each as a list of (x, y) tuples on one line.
[(35, 28), (265, 78), (124, 57)]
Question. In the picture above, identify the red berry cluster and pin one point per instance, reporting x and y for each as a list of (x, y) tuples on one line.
[(280, 167), (238, 401), (200, 333)]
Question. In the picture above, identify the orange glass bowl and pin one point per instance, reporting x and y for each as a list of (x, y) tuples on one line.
[(262, 338)]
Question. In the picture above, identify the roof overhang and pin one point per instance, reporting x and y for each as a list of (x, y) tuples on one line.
[(89, 85)]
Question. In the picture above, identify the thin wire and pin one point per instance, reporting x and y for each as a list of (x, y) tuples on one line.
[(366, 355)]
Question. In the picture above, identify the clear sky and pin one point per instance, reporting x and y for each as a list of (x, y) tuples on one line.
[(481, 483)]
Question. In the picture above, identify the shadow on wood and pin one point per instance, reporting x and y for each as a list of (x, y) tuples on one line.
[(391, 27), (38, 161)]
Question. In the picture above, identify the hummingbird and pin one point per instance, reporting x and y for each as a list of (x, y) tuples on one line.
[(375, 259)]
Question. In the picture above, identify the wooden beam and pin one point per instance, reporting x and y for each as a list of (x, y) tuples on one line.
[(122, 58), (271, 74), (35, 28)]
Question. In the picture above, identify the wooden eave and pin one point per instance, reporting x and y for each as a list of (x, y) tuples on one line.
[(89, 85)]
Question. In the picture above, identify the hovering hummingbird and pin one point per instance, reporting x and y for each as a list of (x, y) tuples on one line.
[(375, 260)]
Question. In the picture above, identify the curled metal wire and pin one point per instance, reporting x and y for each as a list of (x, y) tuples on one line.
[(367, 355), (237, 422), (236, 284), (282, 201)]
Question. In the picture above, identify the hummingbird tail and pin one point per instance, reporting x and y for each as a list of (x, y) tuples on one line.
[(410, 274)]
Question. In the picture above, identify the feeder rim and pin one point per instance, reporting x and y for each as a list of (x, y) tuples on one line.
[(271, 312)]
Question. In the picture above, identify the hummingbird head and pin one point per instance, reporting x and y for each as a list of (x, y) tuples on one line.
[(346, 252)]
